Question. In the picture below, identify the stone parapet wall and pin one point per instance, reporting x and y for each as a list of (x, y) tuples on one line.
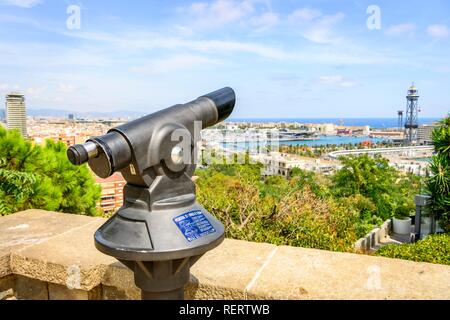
[(48, 255)]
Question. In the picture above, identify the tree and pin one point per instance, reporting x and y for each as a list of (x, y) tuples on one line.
[(16, 189), (32, 176), (75, 191), (438, 184), (390, 191)]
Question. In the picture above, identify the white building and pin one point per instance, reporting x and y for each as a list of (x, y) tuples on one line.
[(16, 116), (424, 134), (281, 164)]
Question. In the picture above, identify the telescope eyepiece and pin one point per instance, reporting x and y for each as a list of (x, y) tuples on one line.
[(224, 99), (81, 153)]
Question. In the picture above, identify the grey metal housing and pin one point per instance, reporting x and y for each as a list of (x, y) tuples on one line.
[(160, 231)]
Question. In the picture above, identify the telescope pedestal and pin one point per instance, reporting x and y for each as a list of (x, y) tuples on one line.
[(169, 295), (162, 280), (159, 241)]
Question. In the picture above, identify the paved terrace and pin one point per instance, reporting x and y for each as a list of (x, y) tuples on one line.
[(48, 255)]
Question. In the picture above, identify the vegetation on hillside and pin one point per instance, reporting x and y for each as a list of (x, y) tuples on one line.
[(434, 249), (42, 177), (308, 209)]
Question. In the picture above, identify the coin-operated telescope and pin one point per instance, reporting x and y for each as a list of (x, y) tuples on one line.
[(160, 231)]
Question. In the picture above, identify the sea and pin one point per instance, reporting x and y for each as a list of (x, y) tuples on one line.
[(321, 141), (376, 123)]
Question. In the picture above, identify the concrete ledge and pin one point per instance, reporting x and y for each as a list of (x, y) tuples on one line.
[(46, 255), (371, 241)]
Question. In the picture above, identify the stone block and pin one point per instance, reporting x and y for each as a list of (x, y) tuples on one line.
[(60, 292), (69, 259), (374, 237), (113, 293), (31, 289), (368, 243), (45, 265), (360, 245), (382, 234), (7, 283), (23, 229), (222, 273), (7, 295), (227, 271), (5, 269), (7, 287), (298, 273), (119, 276), (388, 226)]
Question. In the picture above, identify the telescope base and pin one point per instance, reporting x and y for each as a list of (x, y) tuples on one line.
[(161, 280), (159, 245), (177, 294)]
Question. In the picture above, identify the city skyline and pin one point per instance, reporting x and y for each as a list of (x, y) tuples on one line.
[(285, 59)]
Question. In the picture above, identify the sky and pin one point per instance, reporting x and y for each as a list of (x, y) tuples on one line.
[(284, 58)]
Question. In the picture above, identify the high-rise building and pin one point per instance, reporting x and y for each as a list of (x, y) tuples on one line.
[(2, 115), (16, 115), (424, 133)]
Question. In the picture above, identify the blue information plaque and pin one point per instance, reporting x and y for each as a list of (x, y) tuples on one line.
[(193, 225)]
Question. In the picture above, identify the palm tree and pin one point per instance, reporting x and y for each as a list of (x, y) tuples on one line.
[(438, 184)]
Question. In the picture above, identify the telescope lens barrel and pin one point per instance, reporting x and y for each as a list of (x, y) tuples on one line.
[(81, 153), (129, 142), (224, 99)]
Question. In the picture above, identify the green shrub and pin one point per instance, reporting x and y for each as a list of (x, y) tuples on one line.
[(438, 184), (41, 177), (391, 191), (433, 249), (276, 210), (309, 209)]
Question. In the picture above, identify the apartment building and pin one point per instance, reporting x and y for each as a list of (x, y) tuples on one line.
[(112, 192)]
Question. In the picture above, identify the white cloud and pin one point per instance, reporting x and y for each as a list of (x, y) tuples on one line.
[(322, 29), (265, 21), (4, 86), (304, 15), (315, 26), (401, 29), (247, 47), (145, 42), (438, 31), (148, 41), (66, 88), (219, 12), (443, 69), (183, 31), (175, 63), (8, 18), (21, 3), (338, 80), (35, 91)]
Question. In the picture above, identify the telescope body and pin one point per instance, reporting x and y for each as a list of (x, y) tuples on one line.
[(161, 230)]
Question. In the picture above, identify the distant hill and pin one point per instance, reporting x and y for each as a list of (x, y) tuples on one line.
[(84, 115)]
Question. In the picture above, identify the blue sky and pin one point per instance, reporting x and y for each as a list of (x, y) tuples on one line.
[(284, 58)]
